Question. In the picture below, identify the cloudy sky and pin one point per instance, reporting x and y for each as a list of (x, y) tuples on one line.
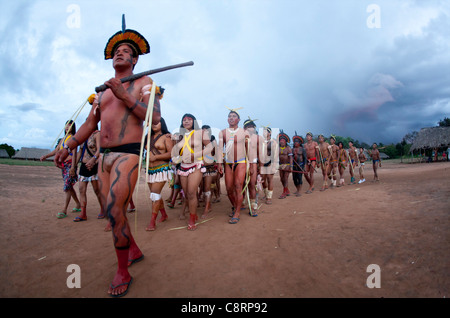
[(373, 70)]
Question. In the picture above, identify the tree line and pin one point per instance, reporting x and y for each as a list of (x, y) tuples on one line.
[(397, 150)]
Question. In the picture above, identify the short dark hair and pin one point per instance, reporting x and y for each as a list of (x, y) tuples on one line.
[(234, 112)]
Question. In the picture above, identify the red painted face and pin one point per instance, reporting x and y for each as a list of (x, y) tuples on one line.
[(233, 119)]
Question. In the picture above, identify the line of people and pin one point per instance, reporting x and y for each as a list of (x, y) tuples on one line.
[(331, 158), (192, 163), (248, 163)]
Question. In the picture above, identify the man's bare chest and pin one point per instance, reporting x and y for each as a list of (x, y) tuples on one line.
[(236, 137)]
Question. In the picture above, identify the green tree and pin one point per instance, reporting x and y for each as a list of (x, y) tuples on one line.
[(410, 137), (390, 150), (365, 145), (399, 149), (444, 122)]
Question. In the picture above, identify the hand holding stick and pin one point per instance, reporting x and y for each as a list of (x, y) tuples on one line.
[(133, 77)]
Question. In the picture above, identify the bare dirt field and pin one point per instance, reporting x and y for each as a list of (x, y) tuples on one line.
[(316, 245)]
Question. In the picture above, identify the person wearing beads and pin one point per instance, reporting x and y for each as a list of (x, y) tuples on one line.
[(159, 170), (374, 153), (342, 163), (362, 159), (312, 153), (324, 161), (286, 161), (177, 191), (88, 155), (234, 164), (268, 163), (255, 141), (68, 169), (210, 174), (122, 109), (188, 152), (299, 159), (353, 161), (333, 150)]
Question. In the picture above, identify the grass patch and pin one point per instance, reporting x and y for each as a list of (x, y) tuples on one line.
[(19, 162)]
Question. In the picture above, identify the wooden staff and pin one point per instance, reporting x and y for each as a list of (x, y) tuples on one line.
[(349, 162), (321, 157), (303, 171), (133, 77)]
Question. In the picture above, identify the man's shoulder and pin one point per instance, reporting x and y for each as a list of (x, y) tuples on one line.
[(141, 82), (145, 80)]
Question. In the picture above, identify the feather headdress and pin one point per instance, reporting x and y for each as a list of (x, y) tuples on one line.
[(234, 110), (284, 136), (131, 37), (250, 122), (298, 138)]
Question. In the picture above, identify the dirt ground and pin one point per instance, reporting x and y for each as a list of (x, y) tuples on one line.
[(316, 245)]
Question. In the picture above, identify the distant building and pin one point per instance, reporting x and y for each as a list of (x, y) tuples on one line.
[(431, 141), (431, 138), (32, 154), (4, 153)]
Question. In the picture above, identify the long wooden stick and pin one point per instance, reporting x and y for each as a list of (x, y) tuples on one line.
[(321, 157), (73, 118), (133, 77), (303, 171), (349, 161)]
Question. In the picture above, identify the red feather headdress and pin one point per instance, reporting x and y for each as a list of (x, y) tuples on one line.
[(284, 136), (132, 37)]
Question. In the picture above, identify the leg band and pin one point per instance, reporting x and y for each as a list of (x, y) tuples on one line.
[(155, 196)]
